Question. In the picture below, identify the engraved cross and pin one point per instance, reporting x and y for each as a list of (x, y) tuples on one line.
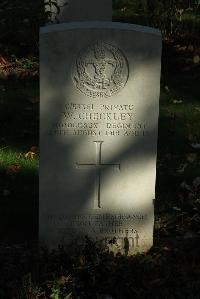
[(98, 167)]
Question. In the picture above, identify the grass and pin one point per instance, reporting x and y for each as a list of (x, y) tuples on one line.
[(18, 159), (23, 161)]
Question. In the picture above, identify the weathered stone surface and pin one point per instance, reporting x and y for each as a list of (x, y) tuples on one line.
[(81, 10), (98, 133)]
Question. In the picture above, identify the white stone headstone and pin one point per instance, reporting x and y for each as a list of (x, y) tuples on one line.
[(80, 10), (100, 86)]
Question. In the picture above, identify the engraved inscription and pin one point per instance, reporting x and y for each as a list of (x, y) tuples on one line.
[(101, 70), (99, 120), (98, 166), (120, 232), (109, 226)]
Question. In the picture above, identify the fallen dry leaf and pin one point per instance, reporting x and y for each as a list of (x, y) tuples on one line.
[(82, 260), (196, 182), (3, 61), (30, 155), (14, 168), (65, 279), (34, 100), (34, 149), (166, 248), (196, 59), (177, 101), (20, 155), (191, 157)]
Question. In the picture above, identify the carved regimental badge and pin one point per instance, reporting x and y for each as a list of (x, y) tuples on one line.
[(101, 70)]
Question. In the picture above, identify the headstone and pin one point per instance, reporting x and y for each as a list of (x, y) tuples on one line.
[(98, 133), (80, 10)]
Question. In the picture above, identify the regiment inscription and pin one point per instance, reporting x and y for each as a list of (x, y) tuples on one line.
[(99, 120)]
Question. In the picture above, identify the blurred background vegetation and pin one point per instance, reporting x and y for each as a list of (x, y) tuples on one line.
[(176, 19), (20, 21)]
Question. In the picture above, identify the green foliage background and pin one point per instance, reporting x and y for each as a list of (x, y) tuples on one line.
[(175, 18), (20, 20), (19, 25)]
